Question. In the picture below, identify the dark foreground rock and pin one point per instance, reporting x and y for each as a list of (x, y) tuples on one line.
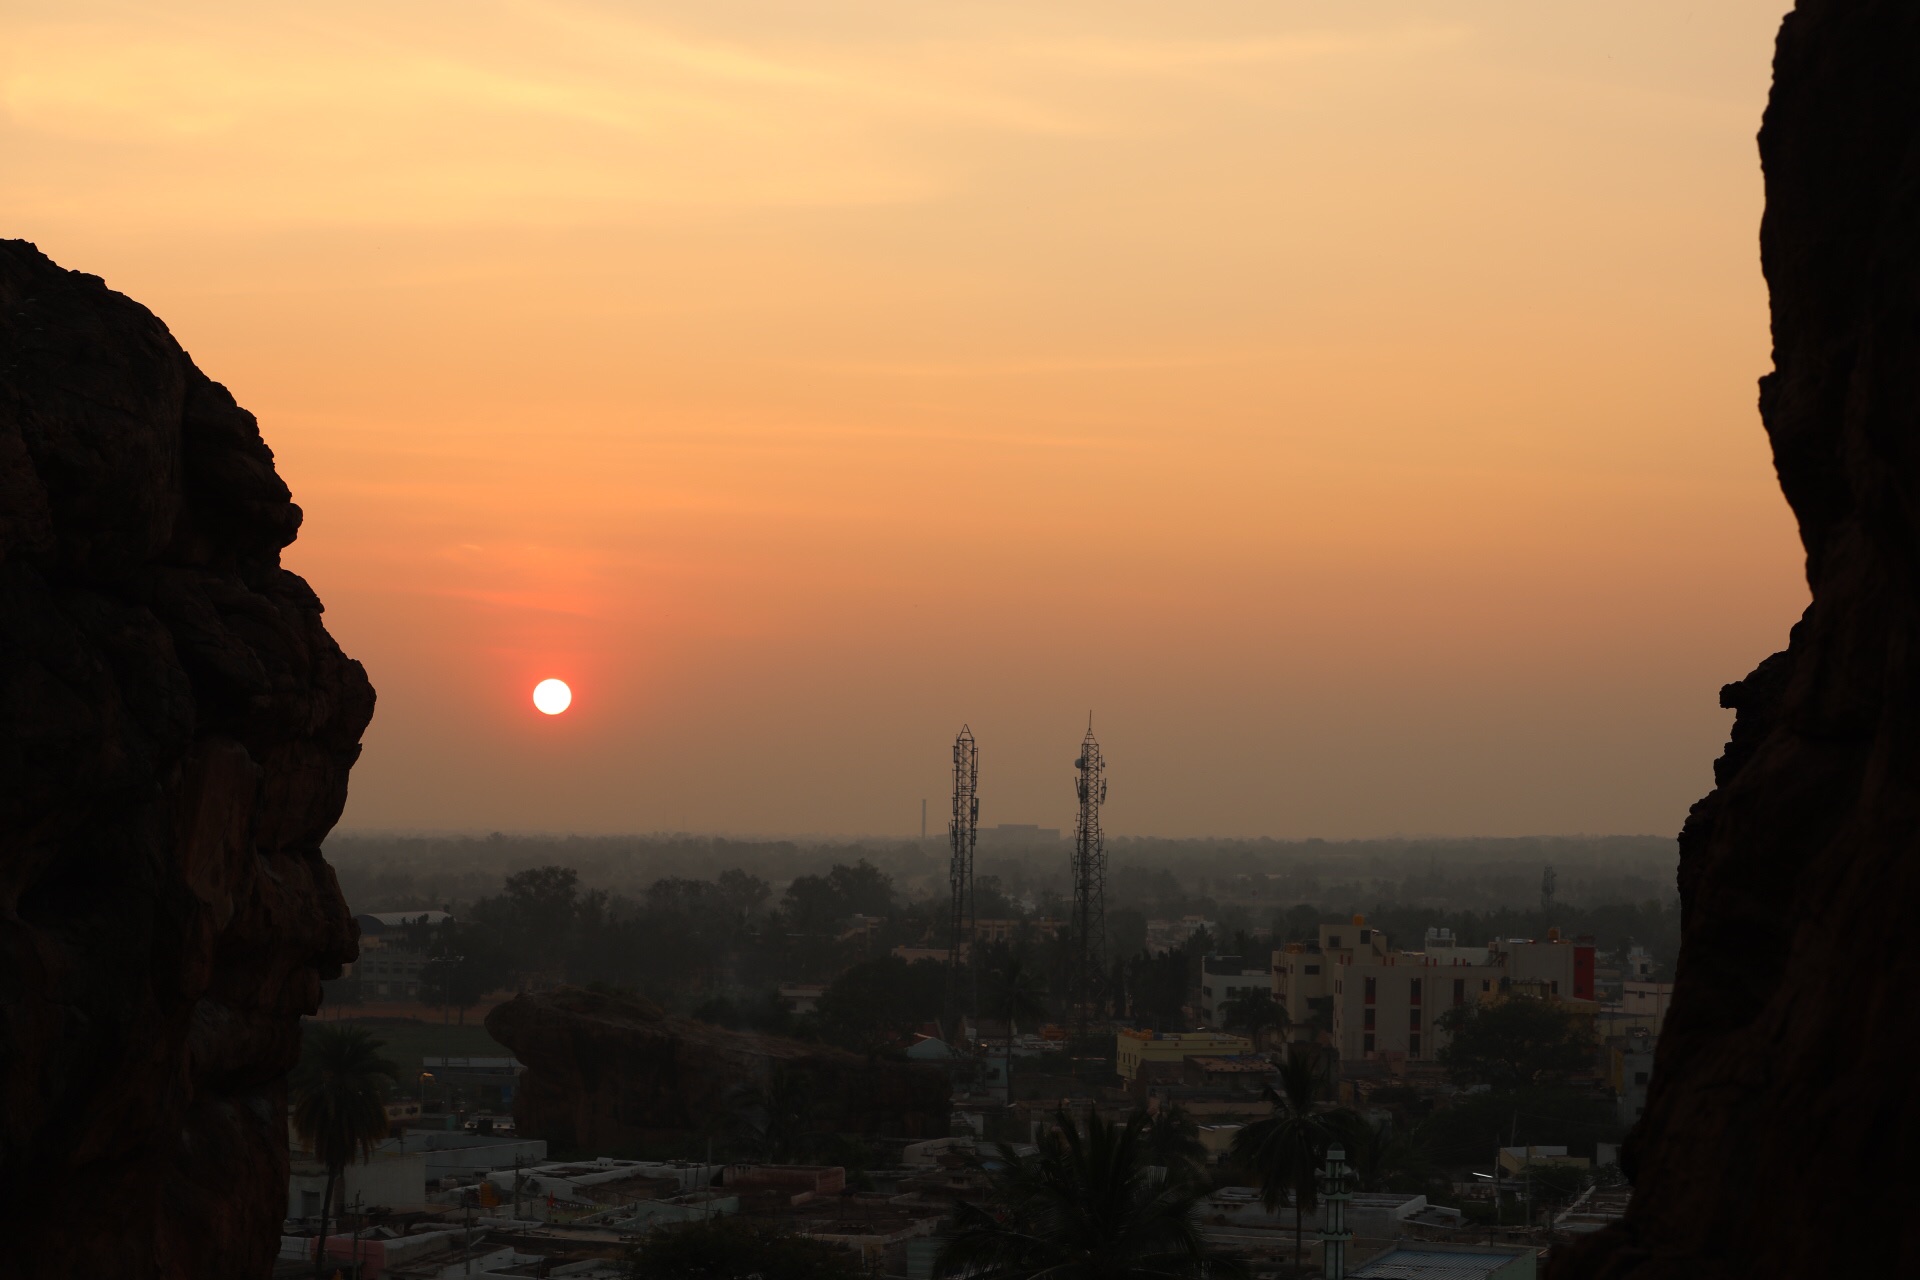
[(1783, 1113), (176, 727), (607, 1072)]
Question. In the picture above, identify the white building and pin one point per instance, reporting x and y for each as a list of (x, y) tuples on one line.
[(1218, 988), (391, 1180)]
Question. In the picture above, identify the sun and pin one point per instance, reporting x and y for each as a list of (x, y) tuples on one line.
[(552, 696)]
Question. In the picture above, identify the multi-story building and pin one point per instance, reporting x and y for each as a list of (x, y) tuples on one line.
[(1629, 1068), (1221, 979), (1388, 1004)]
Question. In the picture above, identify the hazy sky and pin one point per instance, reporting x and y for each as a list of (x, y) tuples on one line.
[(1351, 404)]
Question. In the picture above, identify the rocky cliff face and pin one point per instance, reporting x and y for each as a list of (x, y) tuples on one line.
[(176, 727), (606, 1072), (1782, 1117)]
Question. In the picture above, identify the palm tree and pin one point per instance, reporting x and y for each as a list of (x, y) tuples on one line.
[(1286, 1148), (1171, 1140), (1381, 1154), (1085, 1207), (1255, 1012), (1014, 992), (339, 1094)]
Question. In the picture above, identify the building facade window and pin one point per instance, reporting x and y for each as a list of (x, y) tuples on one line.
[(1366, 1044), (1369, 989), (1413, 1019), (1413, 994), (1459, 990), (1367, 1022), (1413, 1045), (1333, 942), (1312, 969)]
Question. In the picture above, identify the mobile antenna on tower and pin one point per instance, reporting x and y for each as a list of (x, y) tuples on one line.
[(962, 832), (1089, 883)]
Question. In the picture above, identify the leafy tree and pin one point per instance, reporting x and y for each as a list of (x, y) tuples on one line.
[(765, 1011), (1467, 1131), (1286, 1148), (1013, 992), (544, 896), (1384, 1157), (736, 1249), (1255, 1012), (1552, 1185), (1518, 1041), (774, 1115), (338, 1094), (863, 889), (1158, 983), (881, 1000), (811, 905), (819, 904), (465, 962), (1084, 1207), (743, 895), (1170, 1139), (990, 900)]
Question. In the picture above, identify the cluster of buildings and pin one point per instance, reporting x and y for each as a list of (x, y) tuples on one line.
[(500, 1208)]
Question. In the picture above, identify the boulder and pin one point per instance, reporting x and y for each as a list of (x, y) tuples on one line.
[(606, 1073), (176, 728), (1781, 1114)]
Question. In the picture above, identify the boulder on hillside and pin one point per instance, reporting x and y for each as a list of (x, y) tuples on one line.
[(606, 1072)]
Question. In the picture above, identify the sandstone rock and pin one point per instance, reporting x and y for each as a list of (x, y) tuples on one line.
[(1781, 1119), (176, 727), (607, 1072)]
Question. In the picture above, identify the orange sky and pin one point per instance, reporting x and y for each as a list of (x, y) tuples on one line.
[(1351, 404)]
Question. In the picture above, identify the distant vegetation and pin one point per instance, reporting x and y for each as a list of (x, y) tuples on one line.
[(712, 927)]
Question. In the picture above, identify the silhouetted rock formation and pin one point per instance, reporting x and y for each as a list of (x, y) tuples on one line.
[(175, 741), (605, 1072), (1781, 1121)]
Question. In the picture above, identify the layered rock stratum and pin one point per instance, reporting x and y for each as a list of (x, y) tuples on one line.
[(608, 1072), (1782, 1113), (176, 728)]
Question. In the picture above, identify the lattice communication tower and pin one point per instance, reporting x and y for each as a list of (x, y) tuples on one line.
[(1089, 883), (963, 831)]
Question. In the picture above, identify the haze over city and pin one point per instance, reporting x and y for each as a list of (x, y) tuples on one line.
[(1351, 406)]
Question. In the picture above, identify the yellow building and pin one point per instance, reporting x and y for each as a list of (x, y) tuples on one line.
[(1148, 1055)]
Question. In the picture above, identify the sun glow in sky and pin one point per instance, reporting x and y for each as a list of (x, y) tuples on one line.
[(1354, 404), (552, 697)]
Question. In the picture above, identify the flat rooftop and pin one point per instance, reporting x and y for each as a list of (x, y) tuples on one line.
[(1405, 1262)]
